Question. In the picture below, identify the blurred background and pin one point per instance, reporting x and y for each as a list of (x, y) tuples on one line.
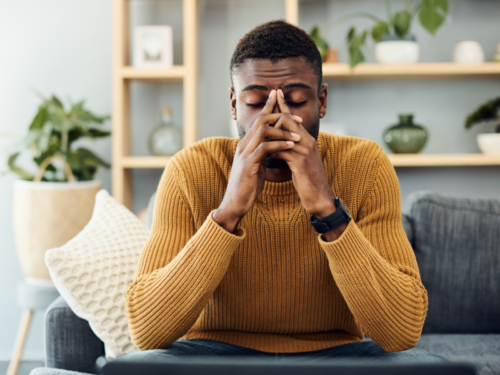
[(65, 47)]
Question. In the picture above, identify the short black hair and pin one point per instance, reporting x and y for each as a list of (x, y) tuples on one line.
[(277, 40)]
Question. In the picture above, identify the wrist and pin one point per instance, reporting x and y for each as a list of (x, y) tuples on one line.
[(335, 233), (325, 210), (226, 220)]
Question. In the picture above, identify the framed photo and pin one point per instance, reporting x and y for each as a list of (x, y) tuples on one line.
[(153, 47)]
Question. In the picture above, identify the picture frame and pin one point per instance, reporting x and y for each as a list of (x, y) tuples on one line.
[(153, 47)]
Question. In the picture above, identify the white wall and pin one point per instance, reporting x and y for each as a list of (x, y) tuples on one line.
[(65, 47)]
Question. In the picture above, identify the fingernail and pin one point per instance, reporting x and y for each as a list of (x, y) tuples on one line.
[(290, 143), (294, 135), (281, 93), (271, 93), (297, 117)]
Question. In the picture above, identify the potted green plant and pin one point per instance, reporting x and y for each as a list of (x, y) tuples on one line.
[(54, 200), (489, 113), (394, 42)]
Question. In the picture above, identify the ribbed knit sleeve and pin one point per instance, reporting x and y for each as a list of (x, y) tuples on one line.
[(179, 267), (375, 268)]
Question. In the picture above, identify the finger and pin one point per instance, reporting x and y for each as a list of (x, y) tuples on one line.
[(268, 133), (267, 148), (262, 120), (286, 155), (271, 102), (289, 122), (281, 102)]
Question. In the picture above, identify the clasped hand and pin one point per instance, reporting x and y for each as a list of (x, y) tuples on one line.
[(280, 136)]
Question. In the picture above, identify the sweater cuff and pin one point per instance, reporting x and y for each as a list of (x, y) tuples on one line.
[(348, 252)]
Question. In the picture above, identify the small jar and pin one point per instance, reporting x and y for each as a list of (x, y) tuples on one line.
[(468, 52)]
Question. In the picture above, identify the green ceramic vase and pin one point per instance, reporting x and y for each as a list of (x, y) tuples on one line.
[(405, 137)]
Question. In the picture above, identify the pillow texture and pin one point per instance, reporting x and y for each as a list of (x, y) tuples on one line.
[(457, 246), (94, 270)]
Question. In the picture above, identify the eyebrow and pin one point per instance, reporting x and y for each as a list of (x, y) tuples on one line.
[(265, 88)]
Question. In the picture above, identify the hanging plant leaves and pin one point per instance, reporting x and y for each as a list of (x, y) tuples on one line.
[(489, 111), (380, 30), (432, 14), (22, 173), (355, 41), (320, 42), (402, 23)]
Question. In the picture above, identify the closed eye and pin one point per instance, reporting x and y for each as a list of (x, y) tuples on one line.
[(256, 105), (294, 104)]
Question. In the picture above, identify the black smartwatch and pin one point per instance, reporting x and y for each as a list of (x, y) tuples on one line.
[(339, 217)]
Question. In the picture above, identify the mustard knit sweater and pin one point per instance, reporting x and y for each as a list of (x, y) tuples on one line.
[(276, 285)]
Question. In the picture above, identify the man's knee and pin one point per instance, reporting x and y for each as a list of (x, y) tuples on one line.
[(145, 355)]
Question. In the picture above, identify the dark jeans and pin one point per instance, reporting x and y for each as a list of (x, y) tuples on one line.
[(366, 351)]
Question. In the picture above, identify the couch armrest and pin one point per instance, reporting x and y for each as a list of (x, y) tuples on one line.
[(70, 344)]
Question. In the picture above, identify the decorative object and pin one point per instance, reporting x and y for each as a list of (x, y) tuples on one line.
[(405, 137), (94, 270), (431, 15), (153, 47), (53, 206), (393, 50), (496, 58), (332, 56), (468, 52), (166, 139), (488, 113)]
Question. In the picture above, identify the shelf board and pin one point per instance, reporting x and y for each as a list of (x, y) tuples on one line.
[(443, 160), (176, 73), (410, 70), (133, 162), (397, 160)]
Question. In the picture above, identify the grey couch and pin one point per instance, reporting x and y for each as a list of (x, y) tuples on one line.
[(457, 245)]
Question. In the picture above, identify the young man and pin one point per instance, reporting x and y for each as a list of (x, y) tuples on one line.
[(284, 242)]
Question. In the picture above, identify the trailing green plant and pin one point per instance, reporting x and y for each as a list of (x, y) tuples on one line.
[(488, 112), (53, 132), (431, 14)]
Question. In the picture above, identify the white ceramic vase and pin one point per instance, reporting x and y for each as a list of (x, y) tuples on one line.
[(468, 52), (392, 50), (489, 143)]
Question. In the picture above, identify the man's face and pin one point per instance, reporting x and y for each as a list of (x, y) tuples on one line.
[(255, 79)]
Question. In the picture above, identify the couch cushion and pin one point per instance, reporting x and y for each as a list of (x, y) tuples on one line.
[(457, 246), (94, 270), (483, 350)]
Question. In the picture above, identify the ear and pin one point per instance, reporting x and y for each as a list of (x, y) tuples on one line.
[(232, 99), (323, 93)]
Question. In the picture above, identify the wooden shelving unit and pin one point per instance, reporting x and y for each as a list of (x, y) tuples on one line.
[(411, 70), (443, 160), (123, 74)]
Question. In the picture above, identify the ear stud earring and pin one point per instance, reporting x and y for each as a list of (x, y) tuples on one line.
[(321, 115), (234, 117)]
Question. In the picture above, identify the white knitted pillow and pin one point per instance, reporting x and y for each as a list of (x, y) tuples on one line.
[(93, 271)]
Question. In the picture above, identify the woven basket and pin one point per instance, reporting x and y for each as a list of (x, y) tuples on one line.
[(47, 215)]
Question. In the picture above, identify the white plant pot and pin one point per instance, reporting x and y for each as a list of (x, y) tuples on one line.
[(397, 52), (489, 143), (47, 215)]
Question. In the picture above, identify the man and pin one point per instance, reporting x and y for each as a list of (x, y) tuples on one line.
[(252, 253)]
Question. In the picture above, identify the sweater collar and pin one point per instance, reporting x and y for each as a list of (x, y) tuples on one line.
[(286, 187)]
